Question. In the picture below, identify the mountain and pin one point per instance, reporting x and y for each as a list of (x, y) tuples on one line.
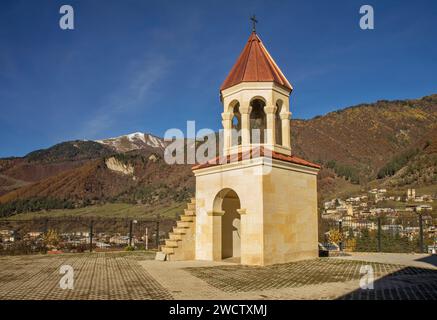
[(416, 166), (80, 173), (41, 164), (358, 141), (133, 141), (386, 143), (119, 177), (70, 151)]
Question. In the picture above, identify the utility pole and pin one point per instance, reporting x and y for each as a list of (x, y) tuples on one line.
[(340, 230), (131, 224), (157, 231), (91, 236), (46, 225), (147, 238), (420, 233), (130, 232), (379, 234)]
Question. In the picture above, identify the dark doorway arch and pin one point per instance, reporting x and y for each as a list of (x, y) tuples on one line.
[(278, 123), (258, 122), (236, 126), (228, 202)]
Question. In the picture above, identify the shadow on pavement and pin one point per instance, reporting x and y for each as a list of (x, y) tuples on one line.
[(409, 283), (431, 259)]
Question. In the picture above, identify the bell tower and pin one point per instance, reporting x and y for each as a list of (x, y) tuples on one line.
[(259, 206), (261, 209), (256, 107)]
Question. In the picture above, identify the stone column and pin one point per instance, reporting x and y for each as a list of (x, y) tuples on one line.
[(241, 211), (227, 130), (285, 119), (271, 132), (245, 124), (243, 233), (216, 238)]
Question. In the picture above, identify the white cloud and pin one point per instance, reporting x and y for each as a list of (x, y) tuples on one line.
[(140, 80)]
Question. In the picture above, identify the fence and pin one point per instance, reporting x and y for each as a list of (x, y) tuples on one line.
[(380, 234), (75, 234)]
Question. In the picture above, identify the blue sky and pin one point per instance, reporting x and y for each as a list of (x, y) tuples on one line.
[(137, 65)]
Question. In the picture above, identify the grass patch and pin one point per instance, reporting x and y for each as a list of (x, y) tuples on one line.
[(108, 210)]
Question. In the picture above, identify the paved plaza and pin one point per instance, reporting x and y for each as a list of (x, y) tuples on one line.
[(135, 275), (97, 276)]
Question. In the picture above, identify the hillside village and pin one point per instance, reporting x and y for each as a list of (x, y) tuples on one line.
[(77, 241), (378, 202), (409, 216)]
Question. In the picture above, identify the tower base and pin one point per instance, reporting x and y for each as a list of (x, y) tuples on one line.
[(262, 210)]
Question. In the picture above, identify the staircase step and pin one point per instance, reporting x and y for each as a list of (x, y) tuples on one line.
[(184, 224), (174, 236), (187, 218), (177, 230), (189, 212), (191, 206), (171, 243), (167, 250)]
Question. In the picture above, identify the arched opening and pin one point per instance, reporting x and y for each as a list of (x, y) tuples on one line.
[(228, 202), (278, 123), (258, 122), (236, 125)]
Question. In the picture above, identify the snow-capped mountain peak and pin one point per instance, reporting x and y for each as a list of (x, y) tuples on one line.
[(133, 141)]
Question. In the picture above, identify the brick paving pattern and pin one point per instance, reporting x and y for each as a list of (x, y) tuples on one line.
[(127, 275), (97, 276), (391, 281)]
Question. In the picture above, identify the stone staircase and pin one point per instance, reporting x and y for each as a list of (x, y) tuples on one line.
[(181, 242)]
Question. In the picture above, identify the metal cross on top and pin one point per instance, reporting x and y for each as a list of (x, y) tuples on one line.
[(254, 22)]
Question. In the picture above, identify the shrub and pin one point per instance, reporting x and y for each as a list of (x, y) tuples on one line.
[(335, 236), (33, 204), (397, 163), (51, 238)]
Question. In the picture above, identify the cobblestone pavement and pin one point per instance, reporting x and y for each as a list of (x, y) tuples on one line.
[(97, 276), (134, 276), (391, 281), (419, 260)]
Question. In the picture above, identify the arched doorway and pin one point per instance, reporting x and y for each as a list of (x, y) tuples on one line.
[(278, 123), (228, 202), (236, 126), (258, 122)]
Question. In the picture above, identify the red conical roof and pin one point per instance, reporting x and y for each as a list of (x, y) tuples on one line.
[(255, 65)]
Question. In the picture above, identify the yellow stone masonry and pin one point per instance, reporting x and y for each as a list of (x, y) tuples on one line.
[(181, 241), (257, 211)]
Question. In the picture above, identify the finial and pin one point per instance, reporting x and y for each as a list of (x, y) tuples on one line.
[(254, 22)]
